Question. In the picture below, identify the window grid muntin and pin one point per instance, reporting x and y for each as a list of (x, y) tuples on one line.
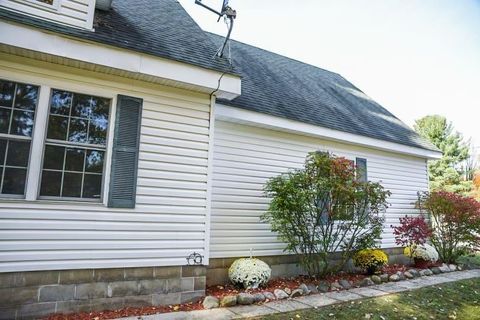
[(13, 108), (89, 119), (6, 166), (84, 171), (60, 143), (4, 162), (76, 145), (8, 137)]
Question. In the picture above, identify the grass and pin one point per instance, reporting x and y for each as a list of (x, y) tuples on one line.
[(458, 300), (472, 260)]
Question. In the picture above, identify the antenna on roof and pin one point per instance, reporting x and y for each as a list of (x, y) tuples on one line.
[(229, 15)]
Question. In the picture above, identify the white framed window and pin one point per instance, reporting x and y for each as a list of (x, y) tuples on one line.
[(18, 105), (74, 155), (360, 165), (70, 143)]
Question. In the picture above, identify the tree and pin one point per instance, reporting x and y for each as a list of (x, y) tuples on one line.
[(448, 172), (323, 209), (471, 163)]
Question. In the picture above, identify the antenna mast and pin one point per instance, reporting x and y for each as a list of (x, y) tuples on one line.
[(229, 15)]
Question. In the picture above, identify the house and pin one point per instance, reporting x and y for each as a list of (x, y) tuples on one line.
[(126, 148)]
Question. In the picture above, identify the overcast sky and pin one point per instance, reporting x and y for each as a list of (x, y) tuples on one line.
[(413, 57)]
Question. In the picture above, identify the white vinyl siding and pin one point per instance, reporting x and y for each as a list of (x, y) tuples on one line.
[(245, 157), (76, 13), (169, 220)]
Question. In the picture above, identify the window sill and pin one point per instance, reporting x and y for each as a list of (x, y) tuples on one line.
[(55, 202)]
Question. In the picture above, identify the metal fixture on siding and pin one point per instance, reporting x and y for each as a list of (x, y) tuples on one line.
[(195, 259)]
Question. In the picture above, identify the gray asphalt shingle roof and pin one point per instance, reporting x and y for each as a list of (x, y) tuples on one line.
[(287, 88), (161, 28), (271, 83)]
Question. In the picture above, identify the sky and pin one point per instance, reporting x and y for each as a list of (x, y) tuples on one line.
[(415, 58)]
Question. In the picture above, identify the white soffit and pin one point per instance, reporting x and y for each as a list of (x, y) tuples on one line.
[(113, 60), (232, 114)]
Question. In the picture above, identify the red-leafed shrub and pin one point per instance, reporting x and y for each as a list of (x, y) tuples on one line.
[(455, 220), (412, 231)]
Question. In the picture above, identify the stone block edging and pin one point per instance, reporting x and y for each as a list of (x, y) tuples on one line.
[(314, 300)]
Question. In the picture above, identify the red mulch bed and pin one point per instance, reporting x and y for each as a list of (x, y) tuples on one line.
[(279, 283), (394, 268), (125, 312), (219, 292)]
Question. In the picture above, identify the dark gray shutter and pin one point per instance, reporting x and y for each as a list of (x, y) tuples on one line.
[(362, 169), (126, 140)]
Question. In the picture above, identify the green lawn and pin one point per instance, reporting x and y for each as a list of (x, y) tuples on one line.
[(472, 260), (458, 300)]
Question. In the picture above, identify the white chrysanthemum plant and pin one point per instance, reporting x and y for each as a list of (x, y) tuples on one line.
[(423, 251), (249, 273)]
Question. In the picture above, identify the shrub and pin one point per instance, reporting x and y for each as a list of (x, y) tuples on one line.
[(455, 220), (411, 231), (322, 208), (370, 259), (249, 273), (422, 251)]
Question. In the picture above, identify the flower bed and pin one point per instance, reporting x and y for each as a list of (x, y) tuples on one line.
[(125, 312), (292, 283), (228, 295), (340, 281)]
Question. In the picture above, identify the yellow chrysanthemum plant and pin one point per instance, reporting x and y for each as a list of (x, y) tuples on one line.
[(370, 260)]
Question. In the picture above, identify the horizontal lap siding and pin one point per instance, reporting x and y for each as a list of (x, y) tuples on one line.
[(245, 157), (78, 13), (169, 220)]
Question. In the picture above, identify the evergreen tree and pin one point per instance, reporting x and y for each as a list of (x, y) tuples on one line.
[(446, 173)]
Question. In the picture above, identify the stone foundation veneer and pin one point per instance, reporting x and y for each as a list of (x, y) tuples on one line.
[(25, 295), (284, 265)]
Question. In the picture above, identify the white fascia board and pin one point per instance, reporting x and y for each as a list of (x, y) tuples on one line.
[(232, 114), (204, 80)]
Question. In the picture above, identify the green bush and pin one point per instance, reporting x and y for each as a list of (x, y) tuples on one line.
[(322, 208)]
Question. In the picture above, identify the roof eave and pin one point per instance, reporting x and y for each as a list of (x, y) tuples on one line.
[(233, 114), (132, 64)]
